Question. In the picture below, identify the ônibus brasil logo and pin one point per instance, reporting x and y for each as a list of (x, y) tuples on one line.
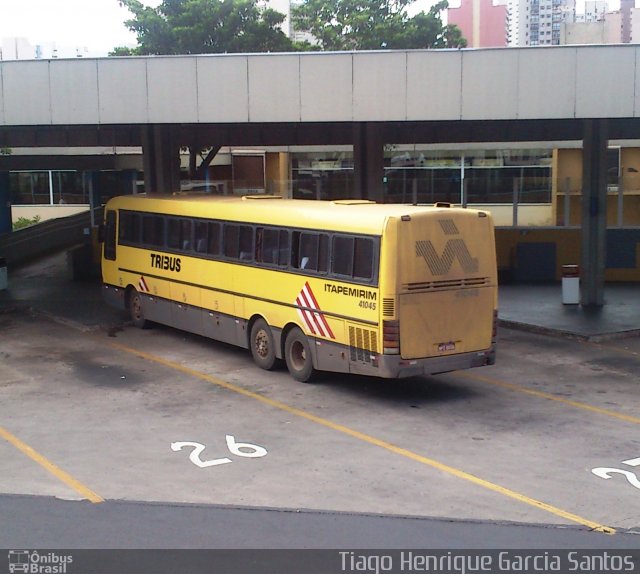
[(34, 562)]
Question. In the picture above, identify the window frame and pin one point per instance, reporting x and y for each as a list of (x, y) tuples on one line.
[(292, 237)]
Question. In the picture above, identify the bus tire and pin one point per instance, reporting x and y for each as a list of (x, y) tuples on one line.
[(263, 349), (297, 353), (135, 310)]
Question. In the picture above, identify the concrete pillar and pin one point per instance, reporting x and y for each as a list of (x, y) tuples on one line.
[(5, 203), (594, 212), (368, 158), (161, 159)]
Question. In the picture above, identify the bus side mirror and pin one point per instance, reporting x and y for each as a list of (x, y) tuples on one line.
[(101, 233)]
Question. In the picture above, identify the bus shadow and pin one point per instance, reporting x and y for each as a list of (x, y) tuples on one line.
[(413, 392)]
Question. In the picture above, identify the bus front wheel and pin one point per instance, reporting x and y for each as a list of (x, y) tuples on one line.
[(263, 348), (135, 310), (297, 353)]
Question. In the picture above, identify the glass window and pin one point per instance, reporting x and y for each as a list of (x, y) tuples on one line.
[(246, 243), (308, 258), (71, 187), (153, 230), (200, 236), (29, 188), (272, 246), (322, 174), (238, 242), (497, 185), (363, 258), (130, 225), (179, 236), (231, 241), (207, 237), (342, 263), (213, 244), (312, 251)]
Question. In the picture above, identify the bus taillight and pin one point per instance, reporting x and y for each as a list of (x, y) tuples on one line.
[(391, 337), (494, 332)]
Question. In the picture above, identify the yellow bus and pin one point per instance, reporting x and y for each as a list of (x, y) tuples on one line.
[(346, 286)]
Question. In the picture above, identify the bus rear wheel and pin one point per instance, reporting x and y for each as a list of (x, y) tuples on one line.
[(297, 353), (263, 348), (135, 310)]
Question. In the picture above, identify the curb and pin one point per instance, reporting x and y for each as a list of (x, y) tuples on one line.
[(552, 332)]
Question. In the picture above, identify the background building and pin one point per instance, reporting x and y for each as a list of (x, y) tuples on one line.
[(483, 23)]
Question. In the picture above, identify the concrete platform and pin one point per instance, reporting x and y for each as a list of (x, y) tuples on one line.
[(539, 308), (46, 286)]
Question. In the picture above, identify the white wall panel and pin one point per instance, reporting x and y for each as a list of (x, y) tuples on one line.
[(274, 88), (380, 86), (74, 91), (27, 97), (223, 93), (559, 82), (433, 85), (636, 105), (605, 83), (546, 83), (122, 90), (326, 87), (489, 84), (172, 89)]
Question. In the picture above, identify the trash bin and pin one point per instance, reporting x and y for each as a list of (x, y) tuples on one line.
[(570, 285), (3, 274)]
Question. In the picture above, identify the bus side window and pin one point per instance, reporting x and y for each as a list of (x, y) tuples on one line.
[(323, 254), (246, 243), (130, 225), (312, 251), (238, 242), (213, 246), (271, 246), (179, 236), (110, 236), (231, 241), (283, 248), (342, 263), (200, 236), (153, 230), (363, 258)]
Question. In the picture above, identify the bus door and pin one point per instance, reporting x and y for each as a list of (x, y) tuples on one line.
[(447, 283)]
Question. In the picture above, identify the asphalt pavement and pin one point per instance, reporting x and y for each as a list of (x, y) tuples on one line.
[(44, 288)]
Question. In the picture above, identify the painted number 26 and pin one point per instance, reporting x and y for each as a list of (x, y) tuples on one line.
[(632, 478), (243, 449)]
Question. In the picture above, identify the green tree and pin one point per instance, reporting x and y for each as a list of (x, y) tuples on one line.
[(375, 25), (204, 27)]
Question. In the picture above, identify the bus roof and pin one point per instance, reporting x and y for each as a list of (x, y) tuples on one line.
[(350, 215)]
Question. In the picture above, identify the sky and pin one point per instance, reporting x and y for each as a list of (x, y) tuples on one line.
[(94, 24), (97, 25)]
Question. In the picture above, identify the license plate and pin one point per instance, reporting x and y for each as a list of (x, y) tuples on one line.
[(447, 347)]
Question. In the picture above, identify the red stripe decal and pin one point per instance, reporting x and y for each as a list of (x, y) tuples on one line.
[(317, 307), (311, 314)]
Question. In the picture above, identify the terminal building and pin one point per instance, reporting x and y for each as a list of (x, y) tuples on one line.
[(533, 135), (533, 189)]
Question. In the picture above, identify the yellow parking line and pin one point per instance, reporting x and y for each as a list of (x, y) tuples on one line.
[(374, 441), (52, 468), (543, 395)]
